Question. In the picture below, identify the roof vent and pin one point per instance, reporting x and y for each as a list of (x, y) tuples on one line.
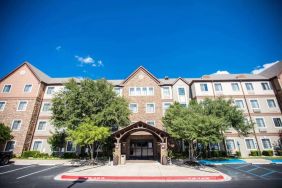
[(166, 78)]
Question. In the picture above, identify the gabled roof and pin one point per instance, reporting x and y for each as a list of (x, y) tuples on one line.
[(146, 71), (272, 71)]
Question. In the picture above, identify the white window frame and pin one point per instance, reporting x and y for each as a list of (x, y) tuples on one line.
[(235, 147), (48, 88), (154, 108), (237, 85), (271, 148), (73, 145), (5, 102), (9, 90), (247, 87), (43, 107), (164, 105), (136, 107), (255, 144), (220, 87), (19, 105), (269, 86), (30, 88), (11, 127), (9, 141), (274, 103), (41, 120), (120, 91), (170, 92), (274, 122), (37, 140), (242, 103), (206, 85), (257, 117), (151, 121), (129, 94), (251, 103), (148, 91)]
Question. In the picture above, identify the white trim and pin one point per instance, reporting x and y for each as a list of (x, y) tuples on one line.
[(270, 88), (256, 145), (201, 87), (269, 141), (154, 107), (41, 120), (237, 85), (255, 117), (36, 140), (151, 121), (170, 92), (4, 87), (247, 88), (43, 103), (242, 103), (19, 105), (30, 89), (275, 107), (178, 96), (251, 103), (136, 107), (215, 87), (11, 127), (272, 117), (5, 102)]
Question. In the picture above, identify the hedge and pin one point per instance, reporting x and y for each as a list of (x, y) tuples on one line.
[(255, 153), (216, 153), (34, 154), (238, 154), (267, 153), (279, 152)]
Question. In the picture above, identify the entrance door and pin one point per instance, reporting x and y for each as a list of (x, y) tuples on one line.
[(141, 149)]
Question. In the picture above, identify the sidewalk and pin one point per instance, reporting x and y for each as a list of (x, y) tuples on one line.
[(240, 161), (143, 172), (47, 162)]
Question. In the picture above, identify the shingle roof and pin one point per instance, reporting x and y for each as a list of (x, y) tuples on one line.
[(272, 71)]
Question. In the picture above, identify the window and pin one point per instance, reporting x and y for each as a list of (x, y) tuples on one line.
[(277, 122), (22, 106), (152, 123), (46, 107), (10, 145), (70, 147), (181, 91), (214, 146), (131, 91), (250, 143), (117, 90), (37, 145), (7, 88), (41, 125), (218, 87), (260, 122), (166, 105), (138, 91), (27, 88), (266, 143), (141, 91), (249, 86), (254, 103), (50, 90), (166, 92), (265, 86), (239, 103), (2, 105), (204, 87), (16, 125), (271, 103), (230, 144), (144, 91), (133, 107), (151, 91), (150, 108), (235, 86)]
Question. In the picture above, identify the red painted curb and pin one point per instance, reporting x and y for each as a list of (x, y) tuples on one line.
[(148, 178)]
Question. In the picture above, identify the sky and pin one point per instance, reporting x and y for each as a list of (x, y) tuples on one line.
[(110, 39)]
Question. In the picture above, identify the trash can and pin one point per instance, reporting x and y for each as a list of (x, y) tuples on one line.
[(122, 159)]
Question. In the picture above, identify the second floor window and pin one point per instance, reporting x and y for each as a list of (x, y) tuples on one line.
[(260, 122), (249, 86), (37, 145), (250, 143), (16, 125), (266, 143), (7, 88), (46, 107), (204, 87), (235, 86), (254, 103), (22, 106), (166, 106), (218, 87), (277, 122), (2, 105), (133, 107), (150, 108), (271, 103), (239, 103), (27, 88), (166, 92), (265, 86), (10, 145), (50, 90)]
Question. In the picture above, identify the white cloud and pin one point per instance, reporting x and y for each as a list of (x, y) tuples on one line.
[(58, 48), (85, 60), (221, 72), (100, 63), (259, 69)]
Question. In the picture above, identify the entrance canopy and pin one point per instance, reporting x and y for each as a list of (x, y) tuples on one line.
[(140, 126)]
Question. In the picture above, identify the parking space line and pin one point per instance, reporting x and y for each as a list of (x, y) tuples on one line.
[(241, 166), (5, 166), (268, 173), (37, 172), (248, 172), (268, 169), (252, 169), (16, 169)]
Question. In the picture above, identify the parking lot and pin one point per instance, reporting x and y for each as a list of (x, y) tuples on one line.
[(243, 175)]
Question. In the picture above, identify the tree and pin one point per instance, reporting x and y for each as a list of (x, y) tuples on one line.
[(5, 133), (190, 125), (95, 100), (87, 133), (58, 140)]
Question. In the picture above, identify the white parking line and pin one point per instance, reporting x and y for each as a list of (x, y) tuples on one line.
[(5, 165), (37, 172), (16, 169)]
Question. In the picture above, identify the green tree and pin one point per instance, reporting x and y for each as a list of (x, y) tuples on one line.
[(5, 133), (95, 100), (87, 133), (58, 140)]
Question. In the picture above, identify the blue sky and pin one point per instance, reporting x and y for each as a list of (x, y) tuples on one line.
[(112, 38)]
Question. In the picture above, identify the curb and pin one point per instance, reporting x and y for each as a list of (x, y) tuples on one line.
[(141, 178)]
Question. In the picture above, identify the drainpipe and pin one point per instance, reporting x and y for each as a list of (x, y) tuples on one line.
[(254, 131)]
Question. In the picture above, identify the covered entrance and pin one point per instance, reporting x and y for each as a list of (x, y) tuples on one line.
[(140, 141)]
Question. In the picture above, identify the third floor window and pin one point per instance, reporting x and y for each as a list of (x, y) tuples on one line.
[(7, 88), (254, 103), (249, 86), (46, 107), (218, 87), (235, 86), (271, 103), (50, 90), (22, 106), (141, 91), (204, 87), (166, 91), (27, 88), (265, 86)]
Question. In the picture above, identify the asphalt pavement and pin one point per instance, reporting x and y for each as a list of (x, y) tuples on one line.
[(243, 175)]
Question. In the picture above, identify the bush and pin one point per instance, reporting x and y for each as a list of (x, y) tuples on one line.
[(216, 153), (34, 154), (238, 154), (267, 153), (279, 152), (255, 153), (70, 156)]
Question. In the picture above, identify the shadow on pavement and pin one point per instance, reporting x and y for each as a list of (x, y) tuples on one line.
[(81, 180)]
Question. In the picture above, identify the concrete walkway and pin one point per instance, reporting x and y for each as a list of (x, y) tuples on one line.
[(67, 162), (143, 172)]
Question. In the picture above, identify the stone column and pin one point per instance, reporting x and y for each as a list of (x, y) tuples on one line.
[(117, 154), (163, 153)]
